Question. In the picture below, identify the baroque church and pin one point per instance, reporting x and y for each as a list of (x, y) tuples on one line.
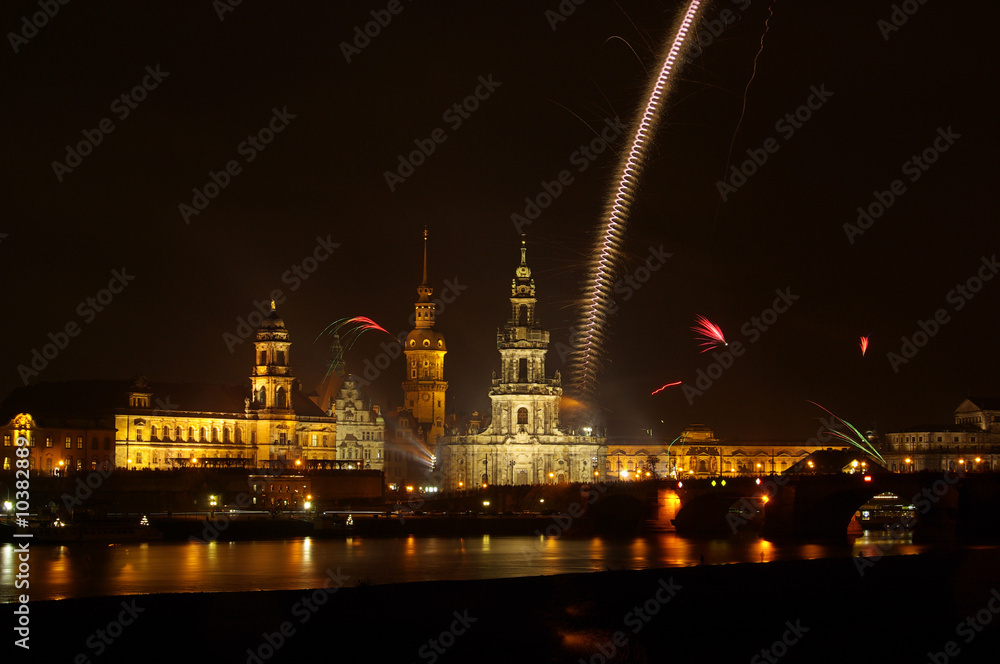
[(524, 442)]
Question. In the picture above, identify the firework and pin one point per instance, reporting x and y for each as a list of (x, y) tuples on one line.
[(348, 331), (665, 387), (857, 440), (711, 334), (864, 346), (607, 255), (367, 324)]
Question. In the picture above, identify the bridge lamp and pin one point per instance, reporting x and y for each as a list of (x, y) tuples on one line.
[(713, 482), (758, 480), (764, 499), (680, 485), (868, 478)]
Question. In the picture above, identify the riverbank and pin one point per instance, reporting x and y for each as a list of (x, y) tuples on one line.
[(834, 610)]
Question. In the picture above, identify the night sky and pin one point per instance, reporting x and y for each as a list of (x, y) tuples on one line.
[(886, 95)]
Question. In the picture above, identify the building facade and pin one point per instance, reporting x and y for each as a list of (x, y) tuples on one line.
[(524, 442), (698, 454), (972, 443), (360, 428), (59, 442), (223, 426), (81, 425)]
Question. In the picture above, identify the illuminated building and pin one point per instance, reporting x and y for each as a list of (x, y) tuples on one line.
[(424, 386), (62, 436), (151, 425), (697, 453), (972, 443), (360, 428), (524, 442)]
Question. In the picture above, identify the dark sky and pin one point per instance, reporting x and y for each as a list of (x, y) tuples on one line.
[(323, 176)]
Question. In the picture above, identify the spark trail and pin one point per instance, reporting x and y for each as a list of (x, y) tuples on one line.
[(665, 387), (864, 346), (857, 440), (348, 330), (607, 254)]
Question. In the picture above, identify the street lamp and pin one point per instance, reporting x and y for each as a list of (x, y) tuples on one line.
[(7, 507)]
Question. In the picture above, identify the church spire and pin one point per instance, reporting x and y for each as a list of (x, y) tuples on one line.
[(423, 290), (424, 307)]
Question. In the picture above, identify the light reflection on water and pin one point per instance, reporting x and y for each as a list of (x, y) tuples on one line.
[(84, 570)]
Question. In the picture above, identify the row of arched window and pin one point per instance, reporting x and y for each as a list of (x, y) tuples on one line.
[(176, 433)]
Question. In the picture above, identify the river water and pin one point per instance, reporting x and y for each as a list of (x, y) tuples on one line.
[(87, 570)]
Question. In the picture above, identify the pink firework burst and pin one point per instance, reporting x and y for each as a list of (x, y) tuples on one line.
[(368, 324), (711, 333)]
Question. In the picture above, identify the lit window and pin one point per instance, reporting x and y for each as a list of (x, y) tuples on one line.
[(69, 442)]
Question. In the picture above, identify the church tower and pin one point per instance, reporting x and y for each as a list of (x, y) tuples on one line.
[(524, 400), (271, 385), (424, 385)]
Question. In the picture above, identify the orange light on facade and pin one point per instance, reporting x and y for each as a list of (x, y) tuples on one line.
[(764, 499)]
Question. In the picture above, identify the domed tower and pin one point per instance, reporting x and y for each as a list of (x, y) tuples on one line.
[(271, 385), (424, 385)]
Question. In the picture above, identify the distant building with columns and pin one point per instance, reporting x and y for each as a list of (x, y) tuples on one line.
[(972, 443)]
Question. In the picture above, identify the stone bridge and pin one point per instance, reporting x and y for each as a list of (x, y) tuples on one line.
[(948, 505)]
